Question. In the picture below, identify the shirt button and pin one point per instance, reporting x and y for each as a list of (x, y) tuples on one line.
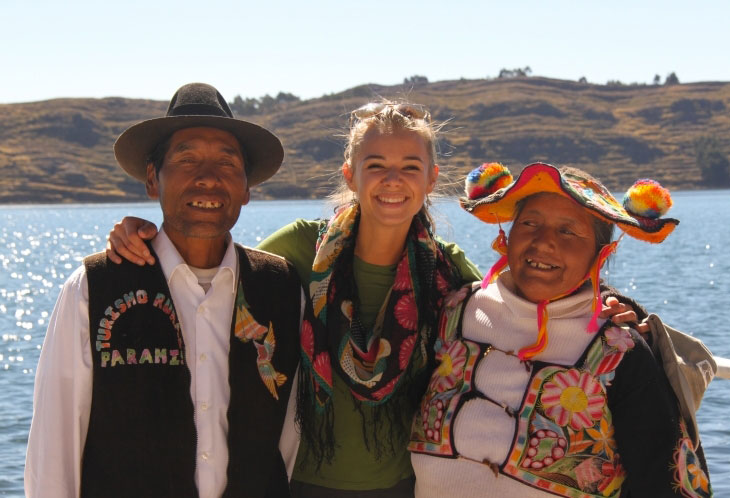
[(204, 406), (203, 357), (204, 456)]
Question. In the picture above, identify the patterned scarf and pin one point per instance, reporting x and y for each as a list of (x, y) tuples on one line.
[(376, 364)]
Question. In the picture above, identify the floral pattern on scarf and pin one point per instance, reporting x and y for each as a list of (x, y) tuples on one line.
[(373, 366)]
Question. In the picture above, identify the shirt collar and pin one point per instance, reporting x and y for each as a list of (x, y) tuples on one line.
[(576, 304), (172, 262)]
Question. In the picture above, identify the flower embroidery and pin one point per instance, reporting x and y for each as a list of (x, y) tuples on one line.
[(573, 397), (619, 338), (603, 438), (689, 477), (406, 350), (402, 276), (322, 367), (699, 479), (307, 338), (545, 447), (578, 442), (587, 473), (406, 312), (432, 418), (613, 476), (451, 369), (441, 284)]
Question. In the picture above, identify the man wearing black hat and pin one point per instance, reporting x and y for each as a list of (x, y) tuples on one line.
[(174, 380)]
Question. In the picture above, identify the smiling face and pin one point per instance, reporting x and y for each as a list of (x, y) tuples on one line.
[(391, 174), (551, 247), (201, 185)]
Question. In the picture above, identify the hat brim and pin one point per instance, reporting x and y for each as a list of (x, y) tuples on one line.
[(262, 149), (544, 178)]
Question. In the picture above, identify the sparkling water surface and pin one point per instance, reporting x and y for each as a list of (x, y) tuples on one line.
[(685, 280)]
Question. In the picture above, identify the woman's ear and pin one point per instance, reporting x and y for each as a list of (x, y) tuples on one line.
[(348, 173), (433, 176)]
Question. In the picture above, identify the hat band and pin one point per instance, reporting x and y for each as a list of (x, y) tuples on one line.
[(198, 110)]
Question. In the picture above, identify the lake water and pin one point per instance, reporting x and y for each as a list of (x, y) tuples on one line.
[(686, 280)]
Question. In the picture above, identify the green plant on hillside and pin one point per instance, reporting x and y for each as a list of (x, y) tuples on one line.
[(712, 161)]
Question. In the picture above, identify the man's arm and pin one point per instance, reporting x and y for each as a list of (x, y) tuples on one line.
[(61, 398)]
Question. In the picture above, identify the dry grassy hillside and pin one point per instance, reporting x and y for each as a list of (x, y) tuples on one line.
[(61, 150)]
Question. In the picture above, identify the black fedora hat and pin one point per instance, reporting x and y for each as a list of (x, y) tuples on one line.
[(198, 104)]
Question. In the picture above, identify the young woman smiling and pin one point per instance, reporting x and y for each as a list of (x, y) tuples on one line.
[(376, 276)]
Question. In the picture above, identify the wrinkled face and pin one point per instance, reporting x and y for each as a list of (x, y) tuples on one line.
[(391, 175), (201, 185), (551, 247)]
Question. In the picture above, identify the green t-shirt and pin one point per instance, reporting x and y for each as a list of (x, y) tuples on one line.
[(353, 466)]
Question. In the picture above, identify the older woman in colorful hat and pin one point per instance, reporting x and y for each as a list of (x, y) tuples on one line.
[(534, 394)]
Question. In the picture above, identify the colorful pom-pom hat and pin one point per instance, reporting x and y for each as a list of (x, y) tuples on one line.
[(491, 196)]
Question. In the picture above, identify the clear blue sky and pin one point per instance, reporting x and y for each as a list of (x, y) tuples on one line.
[(148, 48)]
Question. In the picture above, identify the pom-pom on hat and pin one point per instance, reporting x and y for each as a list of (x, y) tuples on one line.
[(648, 199), (639, 216), (486, 180)]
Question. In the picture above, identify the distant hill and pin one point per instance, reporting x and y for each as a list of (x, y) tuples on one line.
[(61, 150)]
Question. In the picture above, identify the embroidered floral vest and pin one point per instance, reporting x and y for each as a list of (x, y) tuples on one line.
[(564, 440), (142, 438)]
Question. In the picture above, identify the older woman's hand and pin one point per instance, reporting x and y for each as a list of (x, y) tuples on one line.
[(621, 313), (126, 240)]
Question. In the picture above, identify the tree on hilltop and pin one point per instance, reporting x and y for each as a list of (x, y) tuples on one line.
[(672, 79), (657, 79), (416, 79), (515, 73), (244, 107), (249, 106)]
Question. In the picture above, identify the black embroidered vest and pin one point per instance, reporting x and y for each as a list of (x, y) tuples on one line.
[(142, 439)]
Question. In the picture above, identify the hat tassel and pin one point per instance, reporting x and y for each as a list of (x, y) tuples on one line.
[(542, 338), (499, 244), (595, 276)]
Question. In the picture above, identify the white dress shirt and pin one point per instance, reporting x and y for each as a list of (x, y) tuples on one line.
[(63, 383)]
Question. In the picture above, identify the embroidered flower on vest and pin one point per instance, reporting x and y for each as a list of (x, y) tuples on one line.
[(573, 397)]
